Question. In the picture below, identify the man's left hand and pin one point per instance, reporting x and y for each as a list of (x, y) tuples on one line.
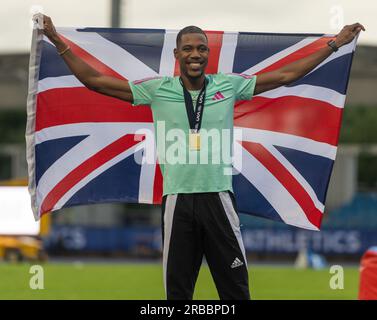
[(348, 33)]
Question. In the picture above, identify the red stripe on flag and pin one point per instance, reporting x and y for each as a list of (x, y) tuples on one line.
[(299, 54), (177, 69), (87, 167), (75, 105), (309, 118), (287, 180), (215, 40), (157, 187), (91, 60)]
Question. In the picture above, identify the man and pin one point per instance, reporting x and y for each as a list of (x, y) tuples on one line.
[(199, 215)]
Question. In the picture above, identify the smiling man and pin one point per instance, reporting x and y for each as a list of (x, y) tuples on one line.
[(199, 214)]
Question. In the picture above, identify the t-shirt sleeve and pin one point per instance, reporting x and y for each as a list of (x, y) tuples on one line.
[(144, 90), (243, 85)]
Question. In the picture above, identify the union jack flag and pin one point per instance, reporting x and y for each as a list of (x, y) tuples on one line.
[(81, 145)]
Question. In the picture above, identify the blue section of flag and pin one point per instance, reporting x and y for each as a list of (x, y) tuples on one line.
[(251, 201), (46, 153), (253, 48), (118, 183), (52, 65), (331, 75), (312, 167)]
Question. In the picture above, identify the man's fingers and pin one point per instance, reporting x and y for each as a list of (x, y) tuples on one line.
[(47, 22), (357, 26)]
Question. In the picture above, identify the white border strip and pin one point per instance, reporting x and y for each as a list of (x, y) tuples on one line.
[(34, 65)]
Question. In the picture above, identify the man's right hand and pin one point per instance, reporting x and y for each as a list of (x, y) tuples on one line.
[(50, 32), (49, 29)]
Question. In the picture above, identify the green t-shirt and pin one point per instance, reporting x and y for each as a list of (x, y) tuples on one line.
[(186, 170)]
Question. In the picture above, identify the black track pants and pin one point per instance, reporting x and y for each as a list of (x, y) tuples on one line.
[(200, 224)]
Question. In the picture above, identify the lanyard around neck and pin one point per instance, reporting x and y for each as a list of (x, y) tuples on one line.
[(194, 117)]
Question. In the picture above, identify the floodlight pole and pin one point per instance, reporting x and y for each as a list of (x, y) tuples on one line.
[(116, 13)]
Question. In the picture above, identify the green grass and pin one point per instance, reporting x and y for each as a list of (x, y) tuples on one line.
[(144, 281)]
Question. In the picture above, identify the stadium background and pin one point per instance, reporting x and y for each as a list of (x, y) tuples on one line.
[(114, 250)]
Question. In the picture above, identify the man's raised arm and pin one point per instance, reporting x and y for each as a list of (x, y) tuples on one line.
[(91, 78), (296, 70)]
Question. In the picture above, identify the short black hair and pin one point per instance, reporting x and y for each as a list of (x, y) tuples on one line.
[(189, 29)]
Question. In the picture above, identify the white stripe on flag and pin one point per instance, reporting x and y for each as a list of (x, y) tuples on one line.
[(289, 141), (58, 82), (308, 91), (148, 167), (117, 129), (146, 184), (167, 62), (228, 49), (119, 60)]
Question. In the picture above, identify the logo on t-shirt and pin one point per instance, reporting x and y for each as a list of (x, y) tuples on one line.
[(218, 96)]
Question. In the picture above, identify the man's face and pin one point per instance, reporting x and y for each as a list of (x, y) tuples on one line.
[(192, 54)]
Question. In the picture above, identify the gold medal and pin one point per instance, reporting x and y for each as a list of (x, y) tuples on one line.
[(194, 141)]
